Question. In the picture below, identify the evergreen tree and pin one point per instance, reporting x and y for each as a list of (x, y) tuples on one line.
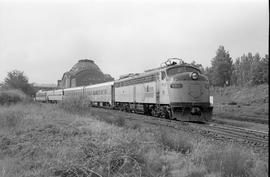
[(265, 69), (222, 67), (256, 70), (209, 74)]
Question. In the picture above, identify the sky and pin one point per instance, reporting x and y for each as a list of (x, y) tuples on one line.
[(44, 39)]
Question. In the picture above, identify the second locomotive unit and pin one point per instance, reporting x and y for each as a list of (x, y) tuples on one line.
[(173, 91)]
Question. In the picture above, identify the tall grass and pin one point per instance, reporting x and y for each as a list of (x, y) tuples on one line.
[(11, 117), (81, 105), (52, 142), (226, 161), (175, 142), (76, 105)]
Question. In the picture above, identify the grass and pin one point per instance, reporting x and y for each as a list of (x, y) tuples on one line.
[(11, 118), (75, 105), (47, 140), (172, 141), (242, 102)]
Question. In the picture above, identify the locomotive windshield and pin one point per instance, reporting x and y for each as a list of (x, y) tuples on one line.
[(181, 69)]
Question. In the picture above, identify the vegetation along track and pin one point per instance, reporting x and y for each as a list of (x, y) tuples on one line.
[(247, 118), (248, 137)]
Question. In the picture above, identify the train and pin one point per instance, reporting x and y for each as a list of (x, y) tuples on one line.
[(175, 90)]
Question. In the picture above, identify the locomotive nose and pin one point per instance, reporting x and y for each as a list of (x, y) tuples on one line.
[(188, 87)]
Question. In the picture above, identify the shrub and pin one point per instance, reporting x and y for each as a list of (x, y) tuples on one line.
[(120, 122), (174, 141), (93, 156), (135, 126), (77, 105), (229, 160), (8, 97), (106, 119)]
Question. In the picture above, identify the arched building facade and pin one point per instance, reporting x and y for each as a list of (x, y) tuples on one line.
[(83, 73)]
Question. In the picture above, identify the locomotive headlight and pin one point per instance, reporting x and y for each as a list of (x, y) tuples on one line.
[(194, 76)]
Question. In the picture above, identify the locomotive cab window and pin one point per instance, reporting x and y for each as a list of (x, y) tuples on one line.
[(163, 75), (191, 69), (181, 69)]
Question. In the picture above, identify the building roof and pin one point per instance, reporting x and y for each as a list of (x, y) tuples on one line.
[(84, 72), (82, 65)]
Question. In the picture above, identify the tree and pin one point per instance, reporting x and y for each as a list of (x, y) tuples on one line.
[(17, 80), (222, 66), (256, 70), (265, 69), (250, 70), (209, 74), (235, 72)]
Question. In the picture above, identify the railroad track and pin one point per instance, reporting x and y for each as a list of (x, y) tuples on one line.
[(227, 133)]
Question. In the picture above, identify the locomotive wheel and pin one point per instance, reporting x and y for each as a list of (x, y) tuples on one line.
[(168, 115), (153, 112)]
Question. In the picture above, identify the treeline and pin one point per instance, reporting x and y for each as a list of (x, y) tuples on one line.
[(16, 80), (15, 88), (246, 70)]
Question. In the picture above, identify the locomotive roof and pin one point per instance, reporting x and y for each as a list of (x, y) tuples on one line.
[(73, 88), (138, 75), (100, 85), (154, 71), (58, 90)]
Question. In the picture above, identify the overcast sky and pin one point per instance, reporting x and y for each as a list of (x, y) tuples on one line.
[(46, 38)]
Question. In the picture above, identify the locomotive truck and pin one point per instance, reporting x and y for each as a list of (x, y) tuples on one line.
[(173, 91)]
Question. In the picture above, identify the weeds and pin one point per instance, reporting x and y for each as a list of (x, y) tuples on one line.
[(227, 161), (172, 141), (135, 126), (75, 105), (52, 142), (230, 162), (120, 122), (10, 118)]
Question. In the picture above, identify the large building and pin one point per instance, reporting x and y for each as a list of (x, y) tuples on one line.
[(85, 72)]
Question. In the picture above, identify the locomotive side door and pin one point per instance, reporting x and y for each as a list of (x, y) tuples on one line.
[(112, 95), (158, 89), (164, 95)]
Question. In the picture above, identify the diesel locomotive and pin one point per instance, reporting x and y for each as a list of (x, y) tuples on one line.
[(175, 90)]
